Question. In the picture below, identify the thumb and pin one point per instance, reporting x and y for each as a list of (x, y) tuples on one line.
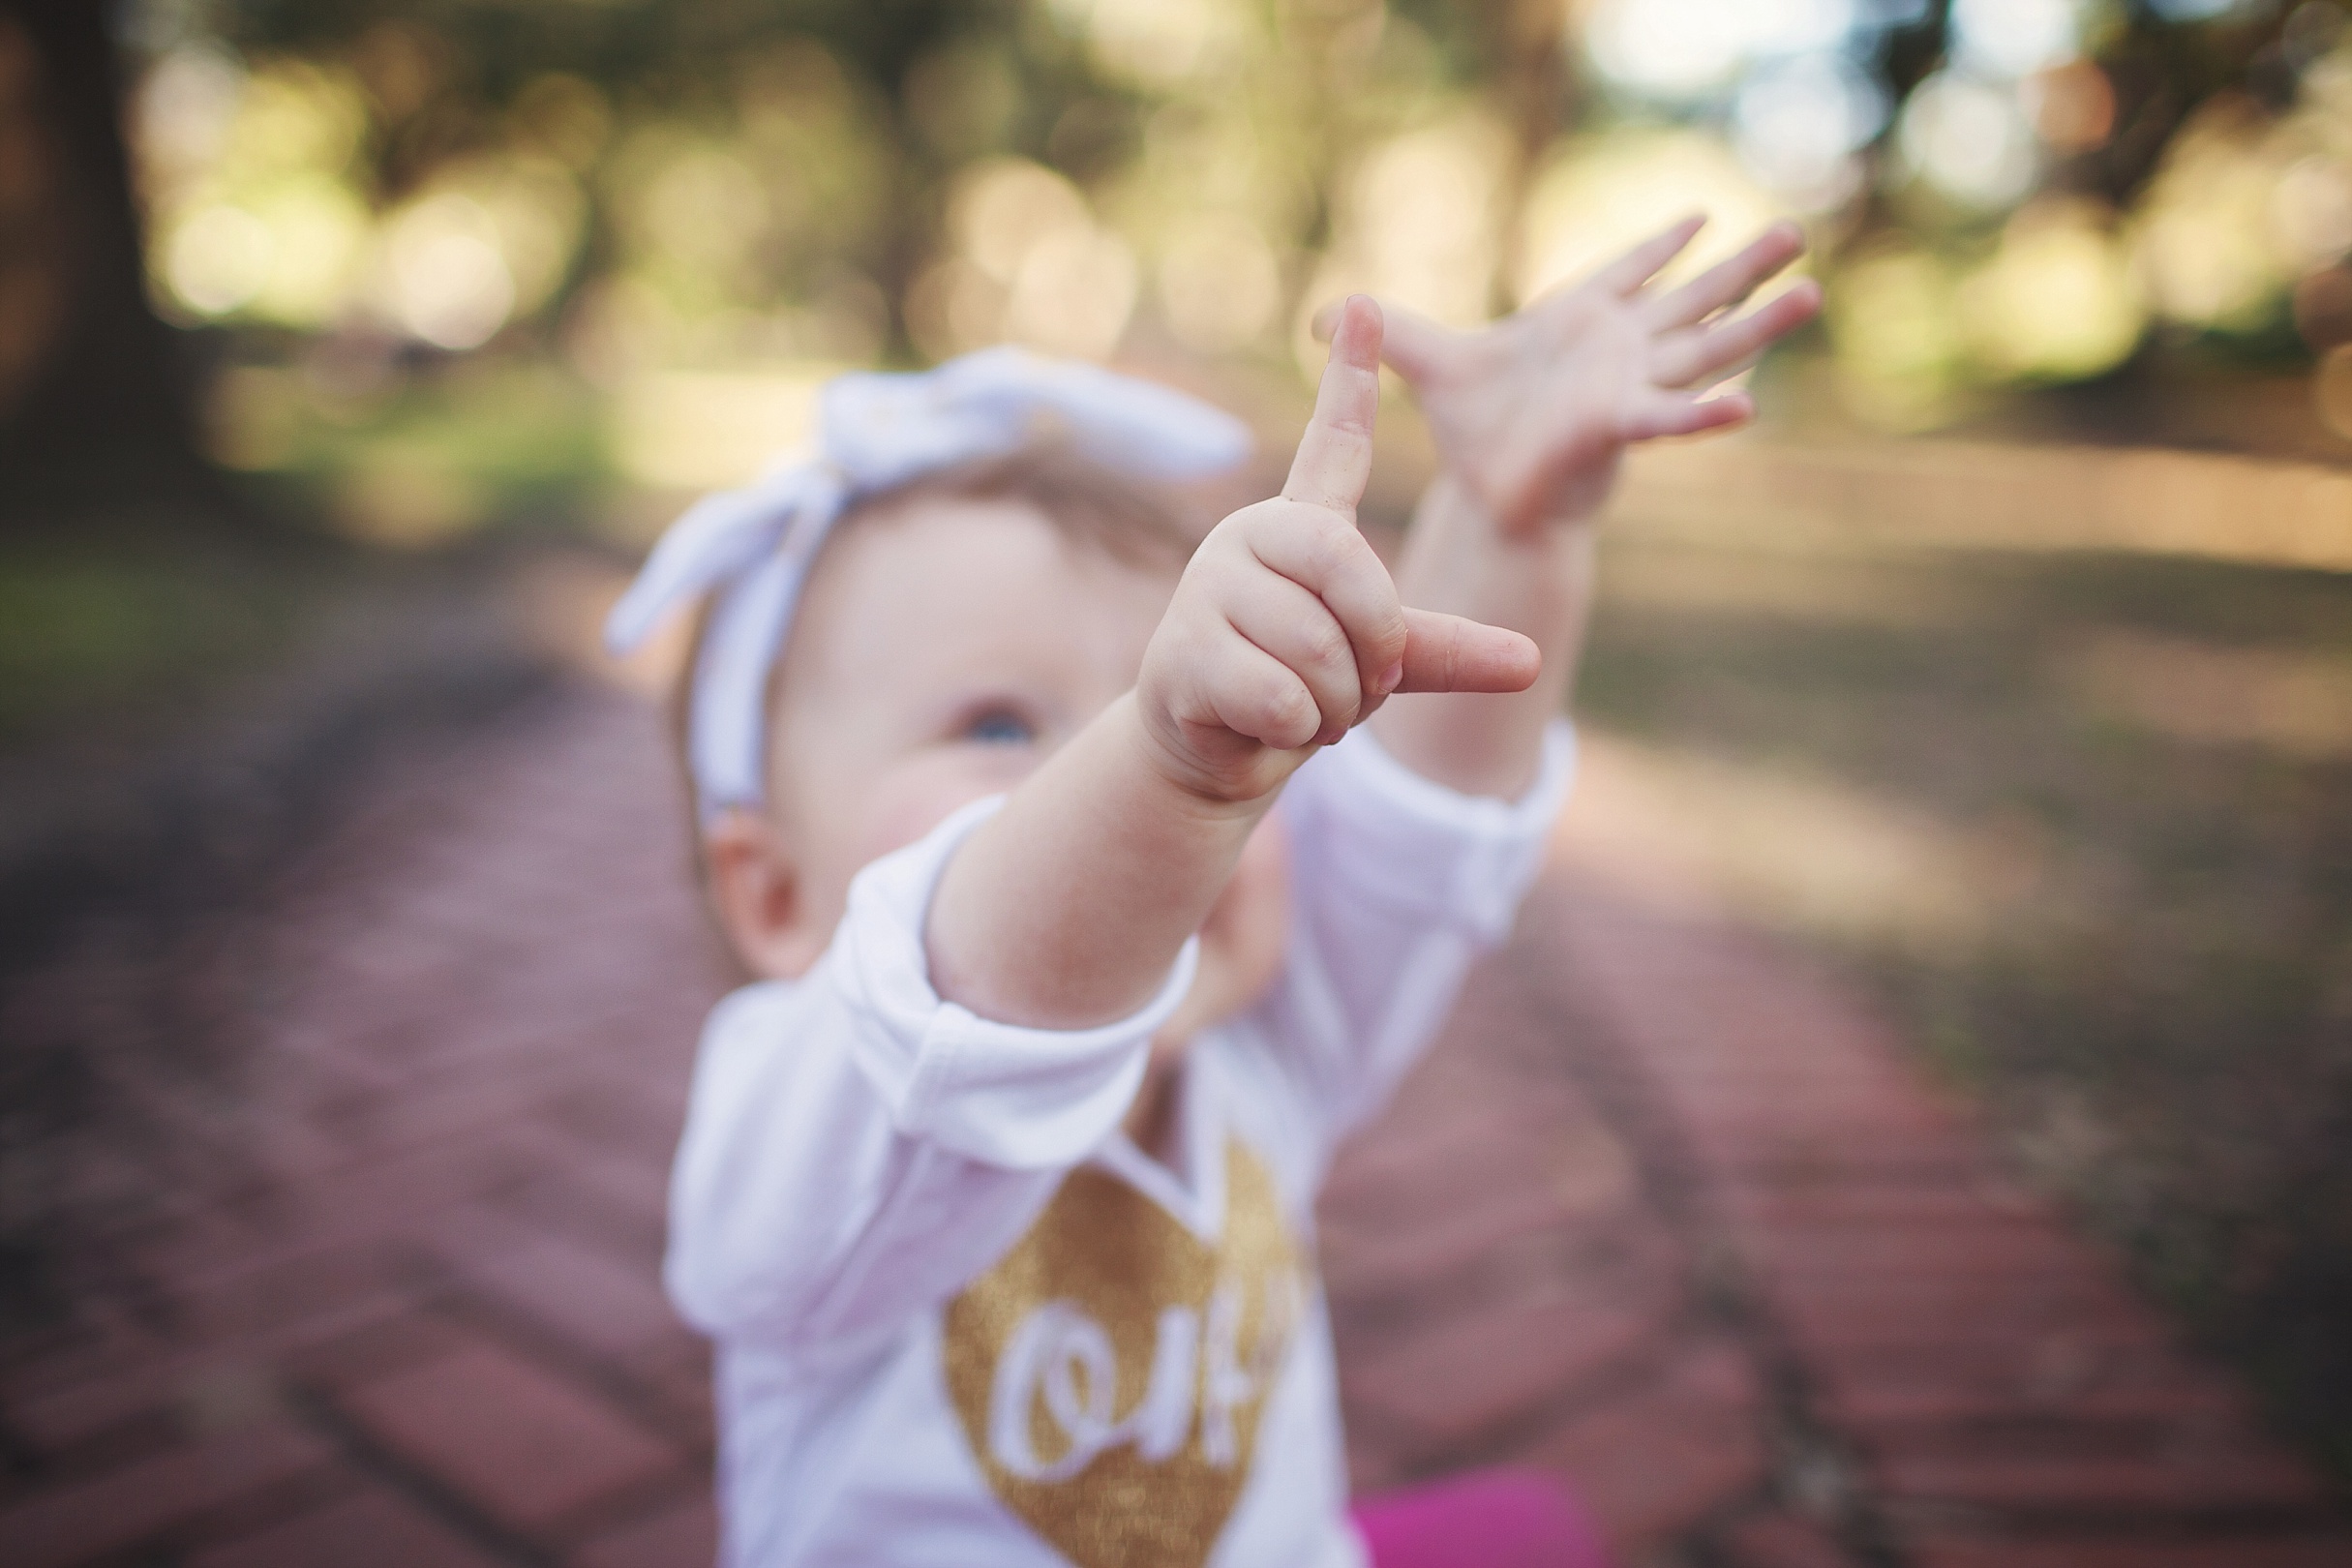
[(1335, 453), (1449, 653)]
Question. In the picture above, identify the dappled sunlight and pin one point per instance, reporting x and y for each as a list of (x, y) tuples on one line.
[(2058, 299), (1192, 181), (702, 429), (1595, 198), (1032, 265), (1161, 43), (1777, 580), (2208, 240), (1970, 141), (448, 282), (1418, 220), (2281, 700), (1893, 320), (2331, 390), (1791, 849), (246, 177), (1984, 495), (1220, 283)]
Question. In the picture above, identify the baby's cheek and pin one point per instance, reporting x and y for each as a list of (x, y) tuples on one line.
[(911, 800)]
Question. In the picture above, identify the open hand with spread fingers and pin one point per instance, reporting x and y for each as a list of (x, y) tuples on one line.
[(1286, 630), (1532, 413)]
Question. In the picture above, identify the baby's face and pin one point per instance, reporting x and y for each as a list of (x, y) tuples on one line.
[(942, 649)]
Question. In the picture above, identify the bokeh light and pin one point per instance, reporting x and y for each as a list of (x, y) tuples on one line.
[(2058, 300), (1596, 196), (447, 280), (1798, 124), (2015, 38), (1970, 138), (1989, 204)]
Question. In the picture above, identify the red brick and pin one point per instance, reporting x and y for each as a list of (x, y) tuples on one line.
[(469, 1060), (1471, 1372), (443, 1106), (382, 1199), (2236, 1481), (1832, 1328), (1657, 1460), (133, 1386), (1782, 1541), (678, 1375), (678, 1537), (1881, 1206), (2133, 1550), (1894, 1394), (606, 1304), (526, 1445), (373, 1529), (99, 1340), (1411, 1170), (1375, 1463), (288, 1287), (375, 1350), (1419, 1261), (595, 1193), (1982, 1244), (625, 1111), (123, 1507), (79, 1412), (1561, 1146)]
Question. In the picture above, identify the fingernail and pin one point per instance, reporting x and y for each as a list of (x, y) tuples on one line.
[(1390, 676)]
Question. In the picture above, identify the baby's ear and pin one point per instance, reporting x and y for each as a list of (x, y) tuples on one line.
[(757, 887)]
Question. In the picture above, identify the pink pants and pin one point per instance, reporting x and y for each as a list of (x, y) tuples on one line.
[(1489, 1519)]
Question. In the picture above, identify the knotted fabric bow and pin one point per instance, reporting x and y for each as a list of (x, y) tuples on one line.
[(750, 549)]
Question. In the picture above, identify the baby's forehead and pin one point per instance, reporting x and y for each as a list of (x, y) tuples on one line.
[(926, 534), (932, 567)]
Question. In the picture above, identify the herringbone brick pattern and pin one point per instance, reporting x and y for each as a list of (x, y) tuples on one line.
[(1666, 1213)]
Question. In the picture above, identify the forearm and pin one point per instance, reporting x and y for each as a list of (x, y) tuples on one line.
[(1538, 581), (1065, 908)]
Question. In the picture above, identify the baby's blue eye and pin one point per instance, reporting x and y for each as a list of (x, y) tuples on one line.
[(1000, 728)]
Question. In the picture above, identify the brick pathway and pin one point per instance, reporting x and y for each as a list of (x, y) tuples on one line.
[(1667, 1213)]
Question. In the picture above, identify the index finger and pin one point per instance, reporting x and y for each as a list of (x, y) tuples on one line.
[(1334, 459), (1410, 345)]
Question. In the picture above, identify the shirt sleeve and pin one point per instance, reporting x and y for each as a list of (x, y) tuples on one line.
[(1398, 885), (858, 1149)]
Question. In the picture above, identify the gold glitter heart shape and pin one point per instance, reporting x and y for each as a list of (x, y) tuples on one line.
[(1110, 1370)]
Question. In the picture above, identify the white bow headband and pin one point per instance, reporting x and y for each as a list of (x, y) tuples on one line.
[(751, 548)]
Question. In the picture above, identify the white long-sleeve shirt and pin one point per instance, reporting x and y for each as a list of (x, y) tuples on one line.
[(962, 1319)]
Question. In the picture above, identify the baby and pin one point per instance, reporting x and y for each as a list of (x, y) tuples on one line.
[(1087, 916)]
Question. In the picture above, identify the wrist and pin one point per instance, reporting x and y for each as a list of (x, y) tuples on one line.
[(1181, 778), (1459, 558), (1570, 512)]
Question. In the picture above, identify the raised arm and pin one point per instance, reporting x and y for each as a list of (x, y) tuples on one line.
[(1065, 908), (1532, 416)]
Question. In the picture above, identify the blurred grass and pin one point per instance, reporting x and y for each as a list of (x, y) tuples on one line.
[(95, 633), (2142, 769), (413, 461)]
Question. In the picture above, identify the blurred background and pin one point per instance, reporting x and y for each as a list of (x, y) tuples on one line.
[(350, 353)]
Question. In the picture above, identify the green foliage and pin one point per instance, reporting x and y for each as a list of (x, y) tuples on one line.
[(87, 636)]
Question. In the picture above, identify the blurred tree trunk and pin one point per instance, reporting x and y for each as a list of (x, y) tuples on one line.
[(96, 399)]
